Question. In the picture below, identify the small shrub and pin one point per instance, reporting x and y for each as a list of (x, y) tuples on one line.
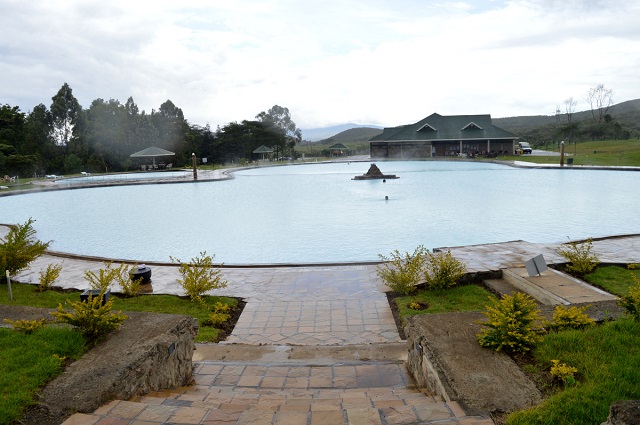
[(415, 306), (570, 318), (220, 314), (563, 372), (402, 272), (105, 277), (221, 307), (511, 326), (580, 259), (130, 287), (48, 277), (199, 276), (633, 266), (19, 248), (443, 270), (631, 301), (26, 326), (91, 318)]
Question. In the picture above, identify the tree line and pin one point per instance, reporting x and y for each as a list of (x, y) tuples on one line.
[(66, 138)]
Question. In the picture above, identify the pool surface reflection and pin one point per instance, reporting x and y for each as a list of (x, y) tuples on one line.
[(317, 214)]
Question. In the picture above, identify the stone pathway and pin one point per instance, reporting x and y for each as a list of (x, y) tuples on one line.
[(323, 306), (246, 393)]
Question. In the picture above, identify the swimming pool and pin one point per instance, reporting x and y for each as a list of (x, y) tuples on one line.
[(316, 213), (105, 178)]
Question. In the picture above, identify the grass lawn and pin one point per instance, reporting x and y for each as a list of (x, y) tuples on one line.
[(607, 358), (602, 152), (608, 361), (459, 298), (27, 362), (613, 279), (26, 294)]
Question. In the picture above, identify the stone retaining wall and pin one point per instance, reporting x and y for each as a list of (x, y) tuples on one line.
[(150, 352), (445, 357)]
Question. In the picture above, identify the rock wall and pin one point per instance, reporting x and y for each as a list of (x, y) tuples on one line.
[(150, 352), (624, 413), (445, 357)]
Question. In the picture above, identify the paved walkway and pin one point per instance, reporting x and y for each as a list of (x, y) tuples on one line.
[(337, 306)]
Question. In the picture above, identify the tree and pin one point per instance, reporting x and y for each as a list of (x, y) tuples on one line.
[(20, 248), (12, 136), (570, 108), (280, 120), (39, 141), (237, 141), (600, 99), (65, 111), (105, 134)]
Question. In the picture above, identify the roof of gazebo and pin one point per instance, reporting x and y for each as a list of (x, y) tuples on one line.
[(339, 146), (263, 149), (152, 151)]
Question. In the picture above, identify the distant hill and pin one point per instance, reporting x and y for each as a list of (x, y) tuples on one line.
[(317, 134), (359, 134), (626, 113)]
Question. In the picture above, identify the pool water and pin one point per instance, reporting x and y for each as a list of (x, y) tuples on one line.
[(123, 177), (316, 213)]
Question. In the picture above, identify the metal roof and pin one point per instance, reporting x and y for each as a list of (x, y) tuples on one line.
[(451, 127)]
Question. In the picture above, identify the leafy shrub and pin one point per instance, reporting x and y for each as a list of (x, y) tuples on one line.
[(220, 314), (221, 307), (443, 270), (402, 272), (26, 326), (20, 248), (130, 287), (511, 325), (93, 319), (199, 276), (563, 372), (48, 277), (570, 318), (415, 305), (581, 260), (631, 302), (633, 266), (105, 277)]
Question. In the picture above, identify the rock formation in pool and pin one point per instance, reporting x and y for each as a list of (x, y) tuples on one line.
[(375, 173)]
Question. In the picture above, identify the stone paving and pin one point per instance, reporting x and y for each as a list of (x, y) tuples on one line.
[(251, 394), (336, 305)]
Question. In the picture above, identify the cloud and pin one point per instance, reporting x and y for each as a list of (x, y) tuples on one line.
[(329, 62)]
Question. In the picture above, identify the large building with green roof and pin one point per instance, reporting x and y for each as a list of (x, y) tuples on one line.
[(437, 135)]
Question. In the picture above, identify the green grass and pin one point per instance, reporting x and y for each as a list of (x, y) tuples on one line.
[(608, 361), (459, 298), (613, 279), (607, 153), (25, 294), (27, 362)]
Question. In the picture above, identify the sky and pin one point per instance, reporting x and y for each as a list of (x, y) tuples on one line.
[(329, 62)]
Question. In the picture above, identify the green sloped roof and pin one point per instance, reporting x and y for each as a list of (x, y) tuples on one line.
[(263, 149), (339, 146), (452, 127)]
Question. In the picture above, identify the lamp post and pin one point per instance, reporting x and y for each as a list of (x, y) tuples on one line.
[(562, 153), (194, 164)]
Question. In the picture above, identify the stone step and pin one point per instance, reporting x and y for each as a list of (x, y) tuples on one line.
[(501, 287), (552, 287), (275, 376), (379, 393), (323, 407)]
